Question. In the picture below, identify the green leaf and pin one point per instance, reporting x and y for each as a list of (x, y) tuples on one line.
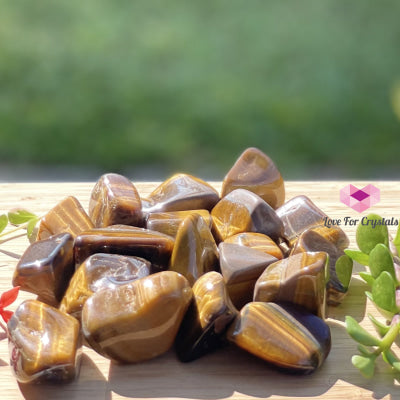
[(31, 226), (344, 269), (3, 222), (359, 334), (366, 364), (19, 217), (364, 350), (367, 278), (358, 256), (384, 292), (390, 358), (370, 232), (396, 240), (380, 259), (381, 328)]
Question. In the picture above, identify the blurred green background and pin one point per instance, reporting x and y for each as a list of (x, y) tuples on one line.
[(148, 88)]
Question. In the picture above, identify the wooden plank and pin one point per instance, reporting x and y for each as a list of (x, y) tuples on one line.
[(229, 373)]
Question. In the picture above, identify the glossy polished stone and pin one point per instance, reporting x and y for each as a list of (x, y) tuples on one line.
[(311, 241), (288, 337), (195, 252), (98, 272), (256, 241), (333, 234), (256, 172), (243, 211), (44, 344), (115, 200), (125, 240), (209, 315), (67, 216), (168, 222), (46, 268), (298, 279), (181, 192), (137, 321), (241, 267), (300, 213)]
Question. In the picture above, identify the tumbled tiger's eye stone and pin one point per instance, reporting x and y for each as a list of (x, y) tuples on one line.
[(256, 172), (333, 234), (195, 251), (125, 240), (311, 241), (182, 192), (139, 320), (209, 315), (241, 267), (67, 216), (300, 213), (244, 211), (115, 200), (46, 268), (256, 241), (44, 343), (298, 279), (288, 337), (101, 271), (168, 222)]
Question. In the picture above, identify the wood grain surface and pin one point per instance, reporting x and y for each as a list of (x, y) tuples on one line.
[(230, 372)]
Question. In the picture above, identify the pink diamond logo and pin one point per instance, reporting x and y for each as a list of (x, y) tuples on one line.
[(360, 199)]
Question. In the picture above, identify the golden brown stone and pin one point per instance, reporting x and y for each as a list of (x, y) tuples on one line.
[(286, 336), (311, 241), (115, 200), (300, 213), (256, 241), (44, 343), (256, 172), (46, 268), (139, 320), (181, 192), (98, 272), (244, 211), (209, 315), (168, 222), (125, 240), (67, 216), (298, 279), (241, 267), (195, 252)]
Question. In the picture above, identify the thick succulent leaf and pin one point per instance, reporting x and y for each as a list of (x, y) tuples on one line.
[(384, 292), (344, 270), (370, 233), (367, 278), (365, 364), (381, 328), (359, 334), (358, 256), (3, 222), (380, 259)]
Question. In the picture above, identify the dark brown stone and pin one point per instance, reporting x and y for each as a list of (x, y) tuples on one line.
[(125, 240), (46, 268), (115, 200), (298, 279), (241, 267), (243, 211), (181, 192), (44, 344), (256, 172), (195, 252), (98, 272)]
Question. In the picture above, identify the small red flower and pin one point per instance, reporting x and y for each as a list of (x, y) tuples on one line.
[(6, 299)]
